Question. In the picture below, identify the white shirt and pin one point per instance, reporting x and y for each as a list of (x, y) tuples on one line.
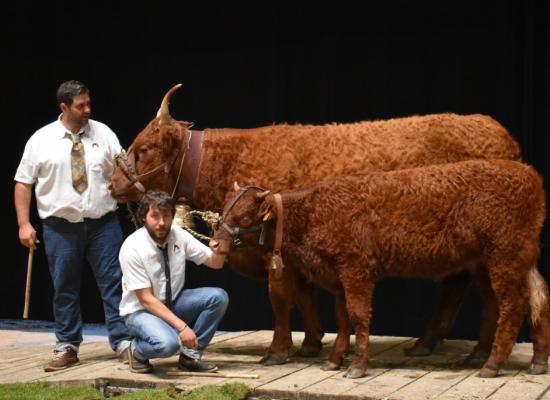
[(142, 265), (46, 162)]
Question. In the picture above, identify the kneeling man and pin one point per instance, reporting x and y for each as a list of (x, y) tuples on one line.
[(155, 306)]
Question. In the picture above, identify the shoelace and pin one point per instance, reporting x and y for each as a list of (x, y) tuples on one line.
[(59, 354)]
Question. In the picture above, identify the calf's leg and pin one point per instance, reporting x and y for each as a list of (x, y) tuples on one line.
[(341, 344), (282, 294), (358, 289), (509, 285)]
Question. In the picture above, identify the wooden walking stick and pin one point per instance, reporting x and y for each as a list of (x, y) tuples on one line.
[(29, 273)]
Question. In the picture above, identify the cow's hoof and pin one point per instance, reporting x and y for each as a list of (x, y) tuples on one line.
[(419, 349), (537, 369), (476, 358), (354, 373), (330, 366), (272, 359), (487, 373), (308, 351)]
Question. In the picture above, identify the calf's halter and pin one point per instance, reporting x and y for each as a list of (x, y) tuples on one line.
[(235, 231)]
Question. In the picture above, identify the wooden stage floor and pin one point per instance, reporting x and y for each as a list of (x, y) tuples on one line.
[(391, 374)]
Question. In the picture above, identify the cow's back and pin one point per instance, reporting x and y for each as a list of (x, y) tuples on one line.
[(289, 156)]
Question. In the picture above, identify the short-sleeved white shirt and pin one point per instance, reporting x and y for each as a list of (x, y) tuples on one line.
[(46, 162), (142, 265)]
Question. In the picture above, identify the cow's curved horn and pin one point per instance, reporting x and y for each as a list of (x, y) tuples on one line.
[(236, 186), (164, 113), (262, 195)]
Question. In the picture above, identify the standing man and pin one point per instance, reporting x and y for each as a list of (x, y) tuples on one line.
[(156, 307), (70, 162)]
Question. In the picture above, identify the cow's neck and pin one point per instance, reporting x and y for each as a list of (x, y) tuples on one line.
[(190, 166)]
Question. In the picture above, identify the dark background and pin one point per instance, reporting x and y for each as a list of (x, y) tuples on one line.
[(247, 65)]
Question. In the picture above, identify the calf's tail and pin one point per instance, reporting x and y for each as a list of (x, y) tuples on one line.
[(538, 299)]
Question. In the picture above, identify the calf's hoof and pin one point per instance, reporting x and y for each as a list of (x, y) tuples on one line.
[(308, 351), (354, 373), (272, 359), (487, 373), (330, 366), (537, 369), (419, 349)]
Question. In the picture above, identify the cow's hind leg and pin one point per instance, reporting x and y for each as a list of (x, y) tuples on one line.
[(305, 300), (341, 344), (450, 295), (481, 351)]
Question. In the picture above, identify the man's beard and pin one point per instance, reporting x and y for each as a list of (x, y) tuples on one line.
[(156, 238)]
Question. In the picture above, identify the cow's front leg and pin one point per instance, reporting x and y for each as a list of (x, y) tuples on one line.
[(341, 344), (282, 289), (358, 289), (305, 300)]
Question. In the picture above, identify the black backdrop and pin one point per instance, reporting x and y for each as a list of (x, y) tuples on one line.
[(247, 65)]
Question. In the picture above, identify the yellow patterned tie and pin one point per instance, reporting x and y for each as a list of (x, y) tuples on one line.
[(78, 165)]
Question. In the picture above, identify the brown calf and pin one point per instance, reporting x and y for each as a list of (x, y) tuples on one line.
[(484, 217)]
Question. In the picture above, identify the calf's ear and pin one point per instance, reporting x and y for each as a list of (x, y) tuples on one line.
[(266, 212)]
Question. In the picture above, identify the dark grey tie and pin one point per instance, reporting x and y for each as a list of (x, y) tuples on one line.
[(168, 301)]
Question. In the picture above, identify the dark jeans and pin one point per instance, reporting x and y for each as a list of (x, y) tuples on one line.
[(67, 246)]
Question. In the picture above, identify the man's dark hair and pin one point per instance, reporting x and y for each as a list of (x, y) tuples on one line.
[(158, 198), (68, 90)]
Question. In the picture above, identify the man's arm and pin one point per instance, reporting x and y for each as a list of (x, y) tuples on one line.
[(22, 198), (215, 261), (157, 308)]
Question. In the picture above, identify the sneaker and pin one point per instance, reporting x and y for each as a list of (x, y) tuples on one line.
[(189, 364), (124, 357), (62, 359), (135, 364)]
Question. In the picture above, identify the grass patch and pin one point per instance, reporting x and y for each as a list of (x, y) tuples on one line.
[(42, 391)]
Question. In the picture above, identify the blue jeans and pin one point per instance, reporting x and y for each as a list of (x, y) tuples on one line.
[(68, 245), (204, 308)]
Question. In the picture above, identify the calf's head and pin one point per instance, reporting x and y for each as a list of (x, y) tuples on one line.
[(246, 221), (150, 162)]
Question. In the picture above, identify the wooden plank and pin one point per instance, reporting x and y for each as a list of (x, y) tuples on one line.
[(474, 387), (523, 386), (431, 384)]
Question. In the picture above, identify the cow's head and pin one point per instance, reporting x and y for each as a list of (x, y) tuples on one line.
[(245, 220), (152, 160)]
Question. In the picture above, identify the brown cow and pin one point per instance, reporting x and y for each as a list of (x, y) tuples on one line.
[(202, 166), (481, 216)]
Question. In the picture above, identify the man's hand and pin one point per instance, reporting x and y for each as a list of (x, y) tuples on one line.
[(188, 338), (27, 236)]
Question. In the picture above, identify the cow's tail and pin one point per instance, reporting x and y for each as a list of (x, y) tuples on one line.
[(538, 299)]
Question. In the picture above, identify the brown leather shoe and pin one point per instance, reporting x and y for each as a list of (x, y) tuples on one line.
[(189, 364), (62, 359), (136, 365)]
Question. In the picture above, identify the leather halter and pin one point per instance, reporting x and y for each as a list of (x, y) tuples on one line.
[(235, 231), (189, 165)]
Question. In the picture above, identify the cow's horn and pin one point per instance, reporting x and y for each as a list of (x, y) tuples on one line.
[(164, 113), (236, 186)]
